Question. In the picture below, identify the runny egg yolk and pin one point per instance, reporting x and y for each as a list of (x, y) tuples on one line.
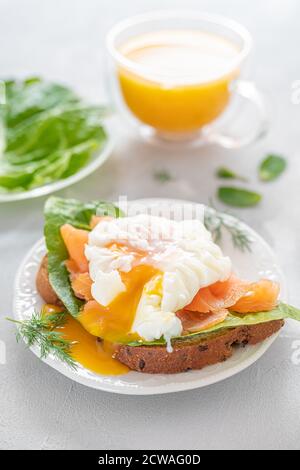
[(114, 322), (88, 350), (97, 329)]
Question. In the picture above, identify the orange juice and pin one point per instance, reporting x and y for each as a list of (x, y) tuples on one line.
[(179, 80)]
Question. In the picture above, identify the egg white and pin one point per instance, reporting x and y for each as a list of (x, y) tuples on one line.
[(183, 252)]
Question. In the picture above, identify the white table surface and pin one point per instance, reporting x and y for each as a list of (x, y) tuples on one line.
[(259, 408)]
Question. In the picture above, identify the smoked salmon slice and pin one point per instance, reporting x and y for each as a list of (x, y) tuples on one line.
[(261, 296), (210, 305), (238, 295), (220, 295), (81, 284), (71, 266), (75, 240), (194, 321)]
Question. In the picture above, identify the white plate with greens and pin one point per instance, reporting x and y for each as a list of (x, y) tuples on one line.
[(49, 138), (252, 258)]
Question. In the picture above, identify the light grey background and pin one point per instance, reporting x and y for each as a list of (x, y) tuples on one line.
[(259, 408)]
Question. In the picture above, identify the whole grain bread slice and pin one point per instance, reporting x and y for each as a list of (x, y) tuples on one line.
[(187, 354), (196, 354)]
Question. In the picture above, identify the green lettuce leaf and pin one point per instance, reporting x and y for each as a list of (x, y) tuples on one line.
[(233, 320), (57, 212), (50, 133)]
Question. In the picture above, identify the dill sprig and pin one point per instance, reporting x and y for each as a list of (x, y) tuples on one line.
[(40, 330), (215, 222)]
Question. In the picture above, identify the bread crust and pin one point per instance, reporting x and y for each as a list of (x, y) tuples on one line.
[(43, 285), (194, 354), (187, 354)]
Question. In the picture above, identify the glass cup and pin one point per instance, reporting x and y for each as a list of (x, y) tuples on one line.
[(191, 99)]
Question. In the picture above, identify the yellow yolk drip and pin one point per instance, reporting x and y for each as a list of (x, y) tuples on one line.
[(114, 322), (88, 350), (97, 329)]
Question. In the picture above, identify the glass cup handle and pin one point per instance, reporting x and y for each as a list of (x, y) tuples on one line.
[(248, 91)]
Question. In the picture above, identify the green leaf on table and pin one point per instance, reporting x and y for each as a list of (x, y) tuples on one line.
[(238, 197), (59, 211), (226, 173), (271, 167), (162, 176), (50, 133)]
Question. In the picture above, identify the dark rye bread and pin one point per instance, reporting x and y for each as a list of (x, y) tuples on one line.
[(187, 354), (195, 354)]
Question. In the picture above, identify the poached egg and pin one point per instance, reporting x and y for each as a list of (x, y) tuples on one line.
[(144, 269)]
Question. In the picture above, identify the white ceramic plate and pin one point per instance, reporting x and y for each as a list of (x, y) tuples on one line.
[(95, 162), (260, 262)]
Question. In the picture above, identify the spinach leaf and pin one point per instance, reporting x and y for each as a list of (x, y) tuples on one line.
[(238, 197), (162, 176), (233, 320), (271, 167), (226, 173), (50, 133), (58, 212)]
